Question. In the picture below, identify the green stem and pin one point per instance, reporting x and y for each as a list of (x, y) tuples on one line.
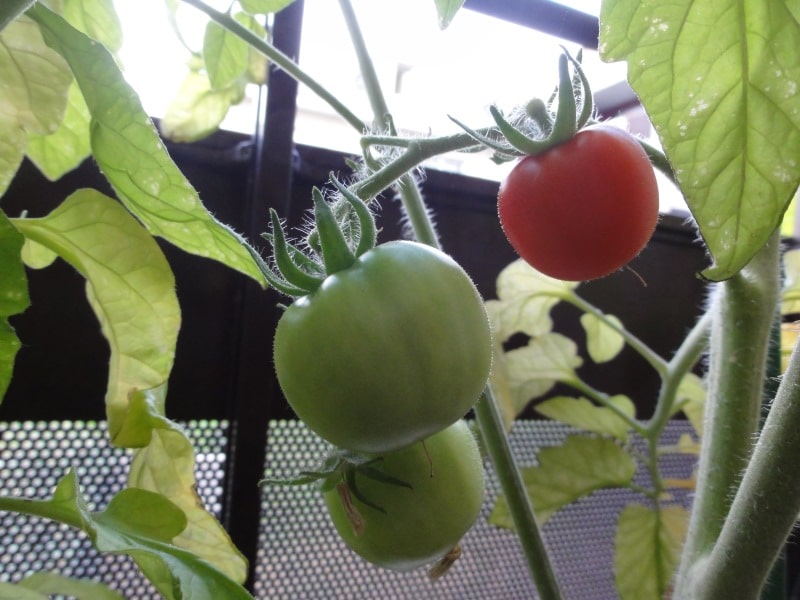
[(493, 432), (652, 357), (279, 59), (406, 185), (682, 362), (743, 310), (605, 400), (765, 508)]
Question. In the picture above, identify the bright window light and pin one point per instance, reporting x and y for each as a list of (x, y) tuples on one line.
[(426, 74)]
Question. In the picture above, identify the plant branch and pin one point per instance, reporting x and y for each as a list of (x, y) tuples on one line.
[(494, 437), (279, 59), (765, 507), (652, 357), (682, 362), (406, 185), (604, 400), (743, 311)]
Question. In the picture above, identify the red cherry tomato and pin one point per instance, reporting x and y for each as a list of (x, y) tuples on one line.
[(582, 209)]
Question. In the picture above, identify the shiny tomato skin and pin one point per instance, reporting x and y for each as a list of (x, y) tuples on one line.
[(582, 209), (386, 352), (421, 524)]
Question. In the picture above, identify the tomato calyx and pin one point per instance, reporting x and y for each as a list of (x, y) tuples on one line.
[(343, 229), (541, 125), (339, 470)]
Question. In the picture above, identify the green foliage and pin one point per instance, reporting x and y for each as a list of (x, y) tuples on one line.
[(130, 153), (35, 82), (719, 82), (647, 539), (130, 287), (42, 585), (264, 7), (585, 415), (13, 297), (566, 473), (141, 524), (648, 544), (447, 9), (59, 152)]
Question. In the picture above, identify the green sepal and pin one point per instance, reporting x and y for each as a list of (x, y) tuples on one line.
[(516, 138), (582, 89), (290, 271), (336, 254), (565, 125), (366, 222), (279, 283), (485, 140)]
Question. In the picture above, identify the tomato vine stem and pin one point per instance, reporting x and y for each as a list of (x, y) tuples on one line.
[(496, 441)]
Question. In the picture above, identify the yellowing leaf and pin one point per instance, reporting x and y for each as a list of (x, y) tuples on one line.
[(167, 466), (647, 546), (580, 466), (130, 287), (603, 341), (61, 151), (141, 524), (197, 110), (534, 369), (33, 93), (691, 399), (525, 298), (133, 158), (13, 297), (583, 414)]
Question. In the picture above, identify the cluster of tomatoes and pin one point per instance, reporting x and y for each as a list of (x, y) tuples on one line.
[(383, 359)]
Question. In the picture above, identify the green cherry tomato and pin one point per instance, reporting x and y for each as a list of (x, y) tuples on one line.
[(387, 352), (582, 209), (424, 522)]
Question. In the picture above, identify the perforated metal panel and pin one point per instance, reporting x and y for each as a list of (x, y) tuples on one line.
[(301, 556), (34, 456)]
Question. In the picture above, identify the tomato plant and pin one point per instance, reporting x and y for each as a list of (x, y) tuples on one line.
[(582, 209), (386, 352), (408, 527)]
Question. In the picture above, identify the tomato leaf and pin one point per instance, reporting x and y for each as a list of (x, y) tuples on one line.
[(53, 583), (133, 158), (720, 83), (225, 56), (446, 10), (10, 591), (583, 414), (546, 360), (790, 300), (130, 287), (264, 7), (647, 546), (525, 298), (141, 524), (580, 466), (603, 342), (96, 18), (33, 95), (13, 297), (691, 399), (197, 110), (166, 466), (61, 151)]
